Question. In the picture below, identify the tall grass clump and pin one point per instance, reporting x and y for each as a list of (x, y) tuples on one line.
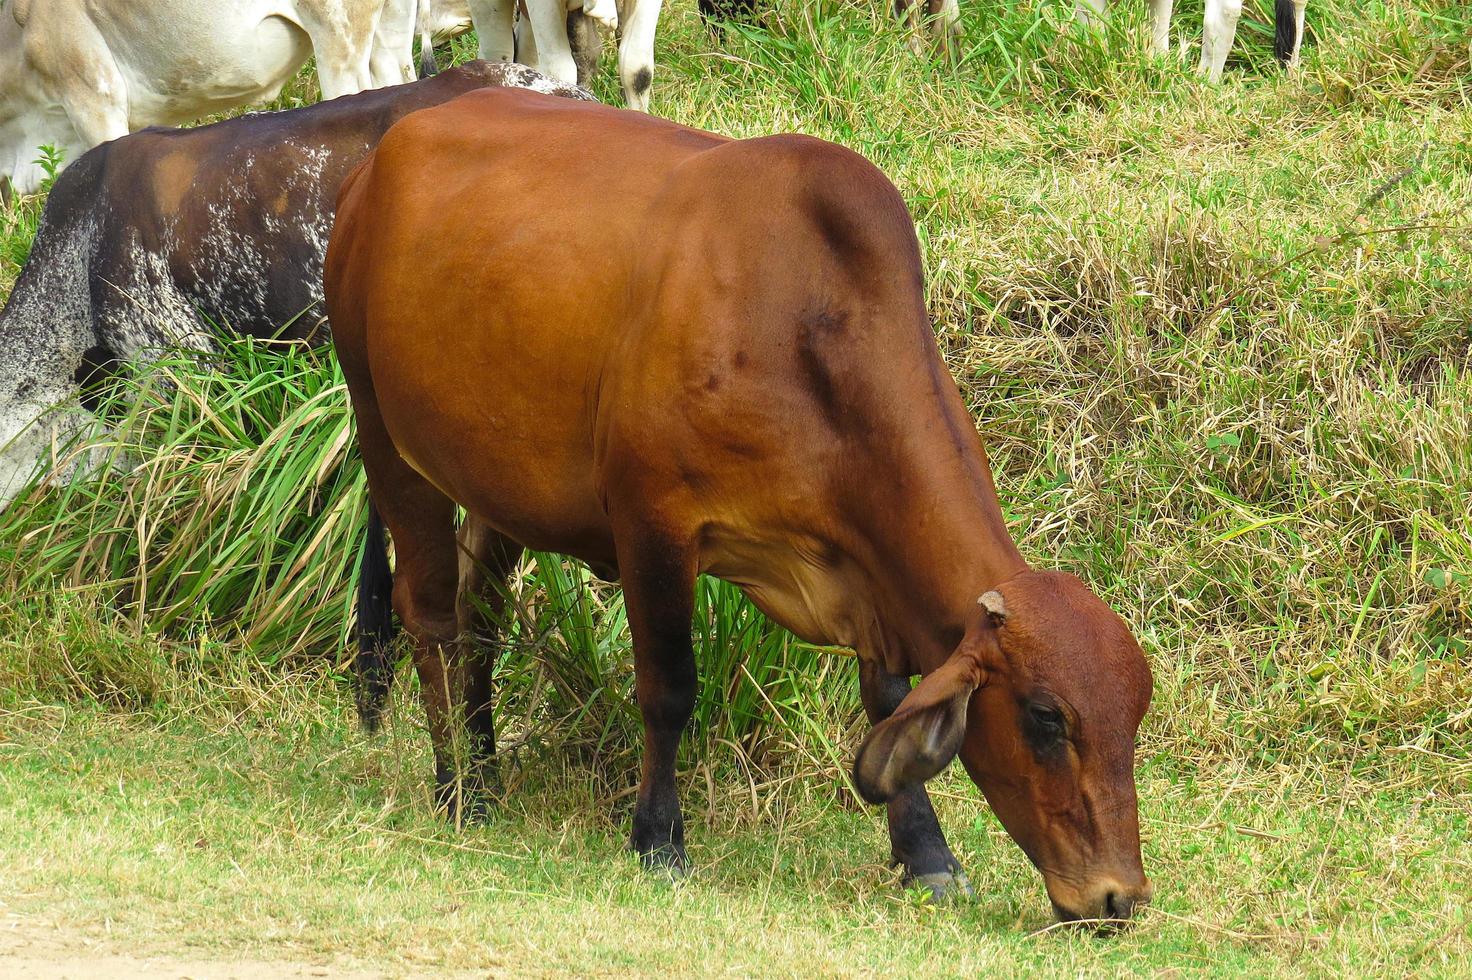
[(224, 494)]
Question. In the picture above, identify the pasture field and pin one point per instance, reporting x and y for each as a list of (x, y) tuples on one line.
[(1219, 342)]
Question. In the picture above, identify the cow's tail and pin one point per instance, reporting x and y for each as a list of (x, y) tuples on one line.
[(374, 666), (427, 67), (1285, 39)]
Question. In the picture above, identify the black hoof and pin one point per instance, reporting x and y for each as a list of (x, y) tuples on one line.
[(666, 858), (370, 718), (463, 801), (943, 886)]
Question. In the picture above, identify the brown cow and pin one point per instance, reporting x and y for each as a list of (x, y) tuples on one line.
[(731, 373)]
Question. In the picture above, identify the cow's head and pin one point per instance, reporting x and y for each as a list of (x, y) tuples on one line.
[(1041, 700)]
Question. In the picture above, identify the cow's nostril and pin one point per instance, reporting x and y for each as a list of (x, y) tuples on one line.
[(1122, 904)]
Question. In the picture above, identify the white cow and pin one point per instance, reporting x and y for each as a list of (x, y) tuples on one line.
[(76, 73), (547, 48), (1220, 29)]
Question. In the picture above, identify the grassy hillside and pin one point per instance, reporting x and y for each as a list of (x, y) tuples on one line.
[(1218, 341)]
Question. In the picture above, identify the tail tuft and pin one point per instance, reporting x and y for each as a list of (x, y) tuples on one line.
[(374, 666), (424, 20), (1286, 37)]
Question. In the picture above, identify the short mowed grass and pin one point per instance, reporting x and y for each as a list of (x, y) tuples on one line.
[(1219, 342)]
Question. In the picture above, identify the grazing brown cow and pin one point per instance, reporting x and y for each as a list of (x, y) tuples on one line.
[(733, 373)]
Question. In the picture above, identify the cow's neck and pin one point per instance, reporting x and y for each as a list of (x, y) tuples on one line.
[(934, 536)]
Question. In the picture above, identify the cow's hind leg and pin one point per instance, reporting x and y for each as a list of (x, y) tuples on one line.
[(486, 559), (658, 573), (916, 841), (421, 521)]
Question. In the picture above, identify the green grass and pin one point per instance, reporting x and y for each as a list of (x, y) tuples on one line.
[(1218, 341), (249, 818)]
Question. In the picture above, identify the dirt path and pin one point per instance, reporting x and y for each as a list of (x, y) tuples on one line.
[(35, 950)]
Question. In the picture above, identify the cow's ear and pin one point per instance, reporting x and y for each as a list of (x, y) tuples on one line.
[(924, 733), (926, 730)]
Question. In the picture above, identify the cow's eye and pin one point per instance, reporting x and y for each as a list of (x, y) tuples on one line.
[(1046, 715), (1046, 721)]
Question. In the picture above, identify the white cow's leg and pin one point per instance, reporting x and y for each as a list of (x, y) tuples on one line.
[(945, 21), (548, 22), (494, 25), (343, 47), (1160, 25), (1299, 6), (392, 58), (526, 43), (636, 52), (1220, 31), (1090, 12)]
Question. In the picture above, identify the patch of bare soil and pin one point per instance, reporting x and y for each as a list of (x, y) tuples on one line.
[(35, 950)]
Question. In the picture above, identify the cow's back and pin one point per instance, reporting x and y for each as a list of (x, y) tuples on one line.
[(570, 288)]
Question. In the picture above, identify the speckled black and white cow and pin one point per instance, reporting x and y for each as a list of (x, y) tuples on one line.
[(161, 238)]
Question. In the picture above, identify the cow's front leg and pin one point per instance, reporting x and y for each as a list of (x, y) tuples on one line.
[(551, 54), (916, 841), (1217, 37), (1090, 13), (1160, 11), (638, 20), (495, 22), (659, 595)]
